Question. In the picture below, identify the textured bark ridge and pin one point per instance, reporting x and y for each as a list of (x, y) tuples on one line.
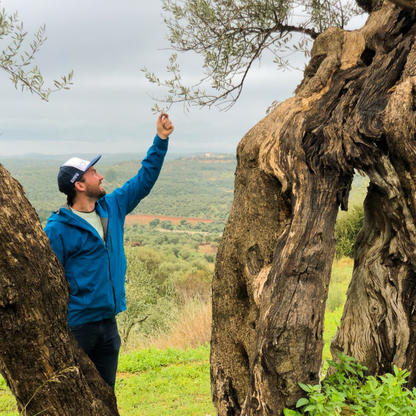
[(44, 367), (354, 110)]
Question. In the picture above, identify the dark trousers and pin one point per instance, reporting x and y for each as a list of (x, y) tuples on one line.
[(101, 342)]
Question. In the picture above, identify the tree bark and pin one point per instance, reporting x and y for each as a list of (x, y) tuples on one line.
[(39, 358), (354, 110), (383, 288)]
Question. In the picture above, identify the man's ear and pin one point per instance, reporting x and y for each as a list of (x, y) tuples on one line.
[(80, 186)]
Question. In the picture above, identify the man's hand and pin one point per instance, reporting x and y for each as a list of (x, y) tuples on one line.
[(164, 126)]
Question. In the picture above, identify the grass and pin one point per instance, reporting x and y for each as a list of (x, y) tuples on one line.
[(340, 279), (154, 382), (7, 402), (176, 390), (192, 328), (175, 381), (155, 359), (165, 382)]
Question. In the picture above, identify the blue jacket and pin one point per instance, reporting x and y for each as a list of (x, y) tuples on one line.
[(96, 269)]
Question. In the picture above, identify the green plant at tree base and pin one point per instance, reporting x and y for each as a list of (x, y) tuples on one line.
[(348, 392)]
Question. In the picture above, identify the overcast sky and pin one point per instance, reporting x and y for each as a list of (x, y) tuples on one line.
[(108, 109)]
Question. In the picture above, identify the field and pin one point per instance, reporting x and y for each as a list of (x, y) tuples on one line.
[(139, 219)]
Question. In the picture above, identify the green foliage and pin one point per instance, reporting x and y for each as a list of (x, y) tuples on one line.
[(350, 223), (347, 228), (167, 225), (159, 282), (340, 279), (348, 391), (155, 222), (111, 175), (149, 309), (22, 72), (336, 296), (176, 239), (191, 187), (231, 35), (210, 257), (325, 14)]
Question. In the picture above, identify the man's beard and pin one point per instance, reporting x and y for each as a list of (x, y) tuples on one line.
[(96, 193)]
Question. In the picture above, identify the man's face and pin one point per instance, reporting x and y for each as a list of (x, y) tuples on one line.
[(93, 181)]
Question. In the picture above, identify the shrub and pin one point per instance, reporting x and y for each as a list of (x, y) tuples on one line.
[(346, 229), (154, 223), (210, 257), (111, 175), (348, 392), (166, 225)]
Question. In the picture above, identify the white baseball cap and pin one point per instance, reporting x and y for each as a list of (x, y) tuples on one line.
[(71, 171)]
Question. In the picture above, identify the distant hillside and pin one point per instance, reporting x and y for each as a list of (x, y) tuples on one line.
[(189, 186), (199, 186)]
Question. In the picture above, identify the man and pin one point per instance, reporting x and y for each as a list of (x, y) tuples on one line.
[(87, 237)]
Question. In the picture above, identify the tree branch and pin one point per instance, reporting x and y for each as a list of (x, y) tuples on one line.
[(405, 5)]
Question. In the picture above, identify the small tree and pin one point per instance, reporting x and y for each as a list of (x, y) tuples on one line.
[(111, 175), (166, 224), (155, 222)]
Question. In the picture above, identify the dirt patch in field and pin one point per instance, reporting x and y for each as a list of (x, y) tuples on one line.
[(207, 248), (145, 219)]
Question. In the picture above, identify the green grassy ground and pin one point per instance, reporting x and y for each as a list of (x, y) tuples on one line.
[(7, 402), (176, 382), (340, 279), (165, 382), (154, 383)]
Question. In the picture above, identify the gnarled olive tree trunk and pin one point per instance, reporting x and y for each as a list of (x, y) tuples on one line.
[(379, 321), (39, 358), (354, 110)]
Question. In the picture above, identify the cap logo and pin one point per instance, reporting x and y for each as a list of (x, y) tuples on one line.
[(74, 178)]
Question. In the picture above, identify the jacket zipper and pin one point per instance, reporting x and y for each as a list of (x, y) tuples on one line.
[(109, 270), (104, 240)]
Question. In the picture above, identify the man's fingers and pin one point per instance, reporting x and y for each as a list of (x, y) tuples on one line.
[(164, 122), (167, 125)]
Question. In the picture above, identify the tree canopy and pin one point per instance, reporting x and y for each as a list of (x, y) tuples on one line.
[(19, 64), (231, 35)]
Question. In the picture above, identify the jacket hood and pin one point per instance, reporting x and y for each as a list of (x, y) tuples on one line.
[(64, 214)]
